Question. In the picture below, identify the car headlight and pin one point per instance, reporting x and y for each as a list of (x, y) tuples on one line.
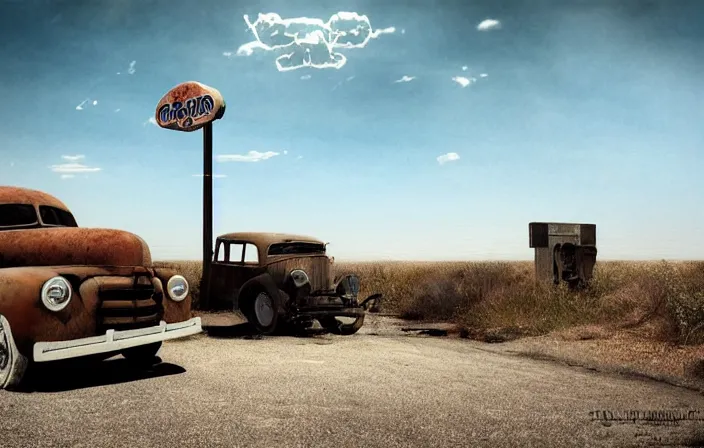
[(299, 277), (177, 288), (56, 293)]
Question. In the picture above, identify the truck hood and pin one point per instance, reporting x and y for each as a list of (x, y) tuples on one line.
[(63, 246)]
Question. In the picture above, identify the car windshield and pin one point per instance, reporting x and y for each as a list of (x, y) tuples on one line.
[(52, 216), (17, 215), (296, 248)]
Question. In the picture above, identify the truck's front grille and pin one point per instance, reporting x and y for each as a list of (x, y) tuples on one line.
[(128, 304)]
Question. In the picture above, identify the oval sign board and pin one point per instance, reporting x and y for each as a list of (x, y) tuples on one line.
[(189, 106)]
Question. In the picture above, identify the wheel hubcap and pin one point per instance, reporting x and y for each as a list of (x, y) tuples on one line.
[(264, 309)]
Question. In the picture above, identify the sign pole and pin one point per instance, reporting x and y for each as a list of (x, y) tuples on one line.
[(207, 213)]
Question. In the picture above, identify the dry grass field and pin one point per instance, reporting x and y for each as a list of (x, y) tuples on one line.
[(662, 301)]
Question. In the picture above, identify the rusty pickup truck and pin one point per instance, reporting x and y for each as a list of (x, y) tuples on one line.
[(68, 292)]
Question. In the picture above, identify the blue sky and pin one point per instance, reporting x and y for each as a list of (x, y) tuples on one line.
[(589, 112)]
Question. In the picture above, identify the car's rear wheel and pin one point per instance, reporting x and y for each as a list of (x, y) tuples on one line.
[(142, 354), (336, 325), (262, 313)]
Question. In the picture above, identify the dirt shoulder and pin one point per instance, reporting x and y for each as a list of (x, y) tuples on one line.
[(615, 351), (624, 352)]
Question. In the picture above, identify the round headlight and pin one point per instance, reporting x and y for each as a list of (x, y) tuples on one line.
[(56, 293), (299, 277), (177, 288)]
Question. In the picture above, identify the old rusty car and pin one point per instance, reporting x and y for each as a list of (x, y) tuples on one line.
[(285, 281), (68, 292)]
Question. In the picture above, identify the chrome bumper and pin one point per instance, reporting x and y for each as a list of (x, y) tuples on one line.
[(113, 341)]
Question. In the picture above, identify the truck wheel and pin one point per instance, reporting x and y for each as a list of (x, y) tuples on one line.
[(142, 354), (12, 363), (335, 326), (262, 313)]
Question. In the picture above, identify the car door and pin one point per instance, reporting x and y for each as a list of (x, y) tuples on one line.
[(234, 263)]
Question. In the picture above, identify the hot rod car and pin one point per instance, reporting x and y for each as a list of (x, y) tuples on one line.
[(281, 280), (69, 292)]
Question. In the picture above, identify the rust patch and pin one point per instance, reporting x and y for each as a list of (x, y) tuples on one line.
[(72, 246)]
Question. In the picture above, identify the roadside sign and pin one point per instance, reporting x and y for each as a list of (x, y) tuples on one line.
[(188, 107)]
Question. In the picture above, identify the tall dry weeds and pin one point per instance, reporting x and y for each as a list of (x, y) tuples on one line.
[(664, 298)]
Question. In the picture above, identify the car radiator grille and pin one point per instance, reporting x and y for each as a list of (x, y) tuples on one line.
[(129, 303), (318, 270)]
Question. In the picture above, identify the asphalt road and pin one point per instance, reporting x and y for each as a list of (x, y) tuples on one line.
[(382, 389)]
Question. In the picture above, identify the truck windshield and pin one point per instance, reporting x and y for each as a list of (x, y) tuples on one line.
[(296, 248), (17, 215), (52, 216)]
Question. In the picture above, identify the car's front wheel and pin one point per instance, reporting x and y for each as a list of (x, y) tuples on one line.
[(262, 313), (142, 354)]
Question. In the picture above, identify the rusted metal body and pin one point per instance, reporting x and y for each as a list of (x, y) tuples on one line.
[(295, 273), (115, 296), (563, 252)]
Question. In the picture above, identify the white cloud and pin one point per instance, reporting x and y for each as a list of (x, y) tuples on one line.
[(68, 170), (488, 24), (95, 102), (308, 41), (251, 156), (214, 176), (483, 75), (405, 78), (131, 70), (74, 168), (117, 110), (285, 152), (227, 54), (403, 30), (464, 82), (305, 77), (464, 68), (299, 157), (74, 158), (449, 157)]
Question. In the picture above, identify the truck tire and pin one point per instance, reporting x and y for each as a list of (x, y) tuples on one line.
[(13, 364)]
